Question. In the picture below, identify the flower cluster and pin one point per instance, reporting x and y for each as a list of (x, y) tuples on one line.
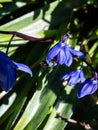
[(61, 53)]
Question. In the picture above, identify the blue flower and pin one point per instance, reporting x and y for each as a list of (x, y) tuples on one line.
[(63, 54), (89, 86), (7, 71), (74, 77)]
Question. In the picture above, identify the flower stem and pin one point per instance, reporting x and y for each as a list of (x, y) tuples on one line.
[(91, 67), (26, 37), (9, 43), (78, 123)]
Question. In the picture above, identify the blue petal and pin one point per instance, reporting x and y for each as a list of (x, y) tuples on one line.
[(23, 67), (7, 76), (68, 56), (89, 86), (61, 57), (6, 59), (53, 51), (77, 53), (74, 77), (82, 78)]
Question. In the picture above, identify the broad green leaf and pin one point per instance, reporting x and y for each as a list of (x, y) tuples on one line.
[(13, 97), (65, 106), (2, 1), (26, 22), (9, 8), (44, 97), (47, 16), (13, 116)]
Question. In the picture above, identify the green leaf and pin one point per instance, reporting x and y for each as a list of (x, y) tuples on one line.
[(13, 116), (3, 1), (40, 102), (65, 106)]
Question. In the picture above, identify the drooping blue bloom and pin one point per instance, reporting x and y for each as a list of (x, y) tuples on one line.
[(74, 77), (89, 86), (63, 54), (7, 71)]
